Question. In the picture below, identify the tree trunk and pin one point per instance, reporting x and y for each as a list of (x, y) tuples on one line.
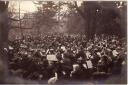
[(3, 40)]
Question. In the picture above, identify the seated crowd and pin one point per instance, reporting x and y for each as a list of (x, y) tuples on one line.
[(70, 57)]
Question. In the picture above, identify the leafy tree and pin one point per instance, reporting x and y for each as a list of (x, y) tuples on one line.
[(46, 15), (101, 17)]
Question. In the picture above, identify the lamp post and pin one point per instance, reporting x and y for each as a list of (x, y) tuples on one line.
[(20, 21)]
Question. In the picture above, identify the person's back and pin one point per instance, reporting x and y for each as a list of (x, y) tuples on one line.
[(81, 54)]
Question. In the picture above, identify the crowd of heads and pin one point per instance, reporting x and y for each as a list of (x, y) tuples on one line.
[(72, 56)]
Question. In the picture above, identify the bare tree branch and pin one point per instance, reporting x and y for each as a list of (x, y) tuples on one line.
[(13, 19)]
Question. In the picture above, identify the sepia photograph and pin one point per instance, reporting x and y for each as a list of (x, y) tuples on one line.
[(75, 42)]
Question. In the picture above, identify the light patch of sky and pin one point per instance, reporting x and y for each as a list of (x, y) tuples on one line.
[(25, 6), (29, 6)]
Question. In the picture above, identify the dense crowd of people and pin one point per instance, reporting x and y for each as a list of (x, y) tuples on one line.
[(61, 56)]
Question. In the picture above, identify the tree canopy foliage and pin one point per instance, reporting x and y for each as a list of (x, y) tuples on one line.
[(100, 17), (45, 16)]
